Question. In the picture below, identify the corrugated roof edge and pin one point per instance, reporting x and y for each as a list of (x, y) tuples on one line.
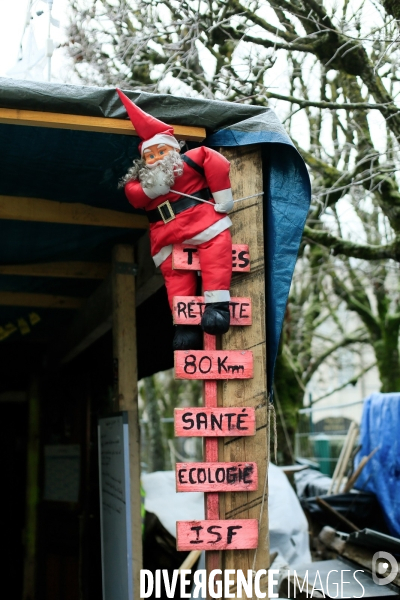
[(104, 102)]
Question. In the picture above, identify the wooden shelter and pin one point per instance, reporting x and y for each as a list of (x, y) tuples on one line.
[(84, 314)]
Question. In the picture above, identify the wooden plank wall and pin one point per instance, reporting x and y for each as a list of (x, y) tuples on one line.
[(126, 390)]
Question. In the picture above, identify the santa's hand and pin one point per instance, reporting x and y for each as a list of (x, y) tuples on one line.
[(223, 201), (159, 188)]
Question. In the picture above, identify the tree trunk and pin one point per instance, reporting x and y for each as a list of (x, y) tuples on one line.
[(156, 446), (393, 8), (288, 399), (388, 359)]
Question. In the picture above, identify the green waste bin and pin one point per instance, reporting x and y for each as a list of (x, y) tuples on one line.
[(322, 451)]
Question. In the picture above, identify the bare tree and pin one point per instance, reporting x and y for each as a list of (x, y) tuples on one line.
[(332, 70)]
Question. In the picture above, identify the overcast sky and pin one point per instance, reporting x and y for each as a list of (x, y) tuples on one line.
[(13, 17)]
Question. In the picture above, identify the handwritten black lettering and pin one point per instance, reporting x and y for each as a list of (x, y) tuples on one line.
[(244, 261), (247, 472), (181, 474), (190, 475), (203, 366), (222, 367), (210, 480), (197, 529), (220, 473), (229, 417), (231, 532), (201, 419), (233, 258), (191, 313), (186, 419), (243, 310), (233, 306), (190, 363), (201, 475), (182, 309), (218, 535), (221, 364), (235, 368), (190, 252), (231, 475), (214, 422), (240, 419)]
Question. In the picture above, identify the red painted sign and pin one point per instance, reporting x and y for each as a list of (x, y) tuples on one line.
[(235, 534), (186, 257), (216, 477), (213, 364), (188, 310), (214, 422)]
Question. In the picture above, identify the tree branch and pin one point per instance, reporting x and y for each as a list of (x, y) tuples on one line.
[(390, 106), (347, 248), (315, 364), (351, 381)]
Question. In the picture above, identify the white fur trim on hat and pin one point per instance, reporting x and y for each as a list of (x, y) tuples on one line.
[(161, 138)]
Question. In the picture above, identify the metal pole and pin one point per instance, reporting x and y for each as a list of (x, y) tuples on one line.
[(49, 44)]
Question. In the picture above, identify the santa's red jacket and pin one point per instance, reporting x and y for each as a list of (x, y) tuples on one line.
[(194, 225)]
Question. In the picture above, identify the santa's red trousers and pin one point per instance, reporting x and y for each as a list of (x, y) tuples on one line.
[(216, 269)]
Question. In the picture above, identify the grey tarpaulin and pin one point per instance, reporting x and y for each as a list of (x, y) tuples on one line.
[(104, 102), (82, 166)]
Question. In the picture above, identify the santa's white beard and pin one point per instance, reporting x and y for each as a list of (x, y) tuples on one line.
[(171, 167)]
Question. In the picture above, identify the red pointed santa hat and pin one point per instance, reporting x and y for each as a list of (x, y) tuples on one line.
[(149, 129)]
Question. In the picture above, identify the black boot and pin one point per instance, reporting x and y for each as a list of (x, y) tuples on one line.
[(216, 318), (187, 337)]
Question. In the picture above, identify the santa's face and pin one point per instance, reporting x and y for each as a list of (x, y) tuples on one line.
[(157, 152)]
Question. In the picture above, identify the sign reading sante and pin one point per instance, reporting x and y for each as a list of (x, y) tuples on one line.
[(214, 422)]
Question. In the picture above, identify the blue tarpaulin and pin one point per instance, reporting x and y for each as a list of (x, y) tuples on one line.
[(380, 428), (286, 201), (81, 166)]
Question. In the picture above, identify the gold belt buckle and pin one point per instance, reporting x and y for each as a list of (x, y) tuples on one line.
[(166, 217)]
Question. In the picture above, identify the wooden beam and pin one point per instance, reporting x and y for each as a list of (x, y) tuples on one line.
[(126, 389), (35, 118), (39, 300), (89, 324), (247, 219), (72, 213), (32, 493), (95, 318), (13, 396), (72, 269), (149, 278)]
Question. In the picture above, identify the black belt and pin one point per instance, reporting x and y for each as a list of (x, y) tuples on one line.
[(168, 210)]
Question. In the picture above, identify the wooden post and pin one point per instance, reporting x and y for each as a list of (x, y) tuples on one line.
[(247, 218), (210, 449), (32, 492), (126, 393)]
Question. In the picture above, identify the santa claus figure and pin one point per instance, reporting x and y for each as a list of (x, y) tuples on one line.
[(158, 182)]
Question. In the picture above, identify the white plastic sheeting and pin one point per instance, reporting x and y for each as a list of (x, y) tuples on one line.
[(288, 528)]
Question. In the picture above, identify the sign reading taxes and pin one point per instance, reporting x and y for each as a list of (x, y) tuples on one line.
[(186, 257), (213, 364)]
